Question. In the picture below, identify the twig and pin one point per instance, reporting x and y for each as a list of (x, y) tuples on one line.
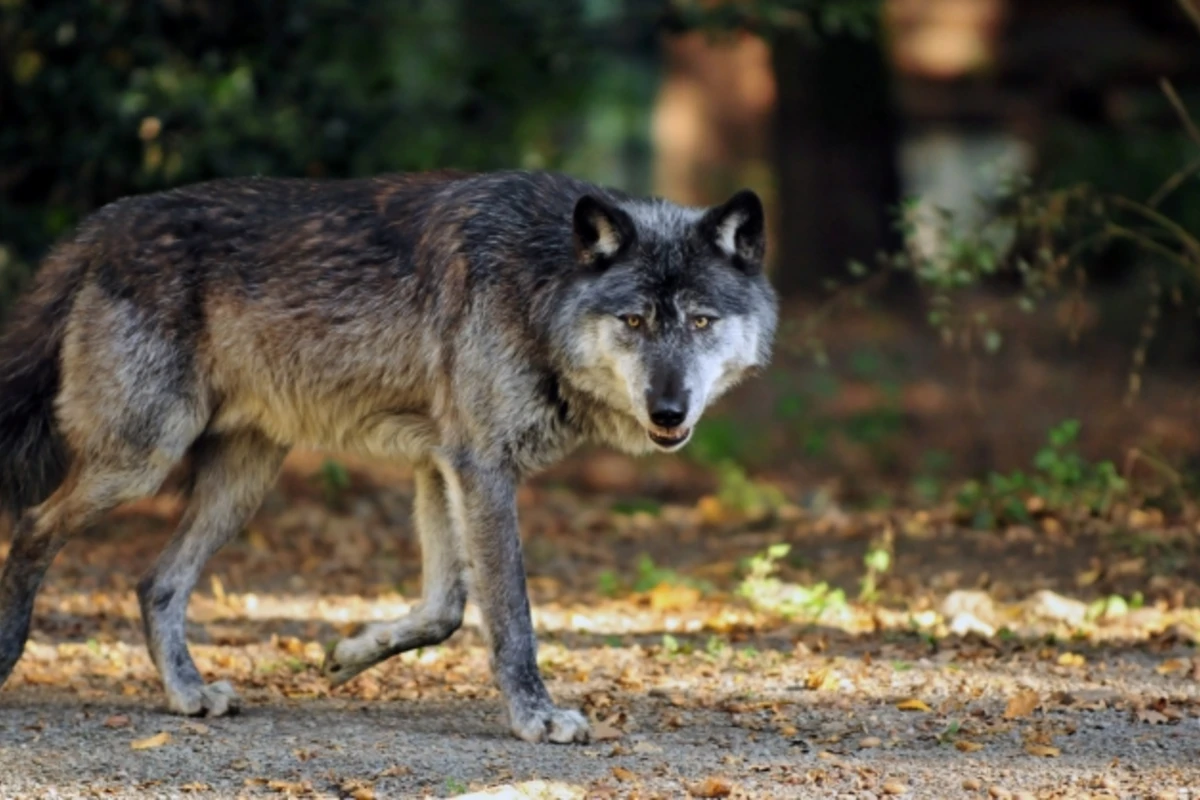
[(1114, 231), (1137, 455), (1172, 183), (1192, 12), (1188, 241), (1180, 109)]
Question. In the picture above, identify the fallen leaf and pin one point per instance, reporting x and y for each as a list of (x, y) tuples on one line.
[(870, 741), (712, 787), (195, 787), (1171, 666), (821, 679), (150, 742), (913, 704), (967, 746), (290, 787), (41, 678), (711, 510), (1043, 750), (117, 721), (646, 748), (894, 788), (1071, 660), (672, 597), (1021, 705), (358, 789), (198, 728), (218, 589), (603, 731), (622, 774)]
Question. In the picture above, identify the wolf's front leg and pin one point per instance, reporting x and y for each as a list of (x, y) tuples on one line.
[(486, 499)]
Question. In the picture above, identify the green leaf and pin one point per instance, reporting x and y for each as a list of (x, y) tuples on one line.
[(878, 559)]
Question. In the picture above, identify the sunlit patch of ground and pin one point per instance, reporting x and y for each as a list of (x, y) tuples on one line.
[(992, 661)]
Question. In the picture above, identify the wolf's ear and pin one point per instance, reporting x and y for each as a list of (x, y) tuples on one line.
[(737, 230), (602, 231)]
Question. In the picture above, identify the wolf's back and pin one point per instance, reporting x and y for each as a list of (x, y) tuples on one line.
[(33, 455)]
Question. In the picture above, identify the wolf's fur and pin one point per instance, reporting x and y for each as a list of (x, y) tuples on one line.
[(479, 326)]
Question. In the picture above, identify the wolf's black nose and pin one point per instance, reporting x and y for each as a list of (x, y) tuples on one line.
[(668, 414)]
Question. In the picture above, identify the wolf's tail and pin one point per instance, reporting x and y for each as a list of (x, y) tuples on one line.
[(33, 454)]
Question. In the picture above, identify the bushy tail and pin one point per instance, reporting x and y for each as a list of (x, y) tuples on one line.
[(33, 455)]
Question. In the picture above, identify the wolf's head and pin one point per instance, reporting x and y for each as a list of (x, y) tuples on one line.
[(671, 308)]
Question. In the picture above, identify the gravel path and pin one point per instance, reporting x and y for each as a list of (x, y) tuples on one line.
[(787, 742), (933, 694)]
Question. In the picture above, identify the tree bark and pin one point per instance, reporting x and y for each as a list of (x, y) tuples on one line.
[(835, 153)]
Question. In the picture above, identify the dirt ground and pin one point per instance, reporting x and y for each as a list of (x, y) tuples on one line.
[(983, 663), (691, 689)]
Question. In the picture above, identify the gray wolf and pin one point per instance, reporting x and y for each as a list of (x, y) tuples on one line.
[(479, 326)]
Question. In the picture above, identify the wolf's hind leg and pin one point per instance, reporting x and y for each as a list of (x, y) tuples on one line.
[(443, 595), (34, 546), (232, 474), (88, 492)]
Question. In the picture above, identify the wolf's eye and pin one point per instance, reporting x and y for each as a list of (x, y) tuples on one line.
[(633, 320), (701, 322)]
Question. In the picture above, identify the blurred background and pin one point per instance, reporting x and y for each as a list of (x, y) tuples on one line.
[(984, 213), (968, 477)]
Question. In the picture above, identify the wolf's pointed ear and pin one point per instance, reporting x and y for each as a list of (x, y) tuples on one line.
[(602, 231), (737, 230)]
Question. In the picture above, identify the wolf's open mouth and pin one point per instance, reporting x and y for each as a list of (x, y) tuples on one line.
[(675, 437)]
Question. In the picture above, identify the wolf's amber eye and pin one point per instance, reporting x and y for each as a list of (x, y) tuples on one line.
[(701, 322), (633, 320)]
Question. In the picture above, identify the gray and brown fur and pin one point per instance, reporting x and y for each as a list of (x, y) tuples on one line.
[(478, 326)]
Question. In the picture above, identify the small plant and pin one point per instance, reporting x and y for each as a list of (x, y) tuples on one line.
[(1062, 482), (1114, 606), (878, 561), (766, 592), (715, 646), (928, 486), (647, 577), (950, 733), (608, 583), (738, 491), (717, 440), (335, 481), (650, 575), (637, 505)]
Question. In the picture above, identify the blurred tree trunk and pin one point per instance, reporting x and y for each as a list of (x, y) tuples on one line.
[(835, 153), (712, 119)]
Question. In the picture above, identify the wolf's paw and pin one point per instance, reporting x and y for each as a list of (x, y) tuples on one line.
[(346, 658), (211, 700), (550, 724)]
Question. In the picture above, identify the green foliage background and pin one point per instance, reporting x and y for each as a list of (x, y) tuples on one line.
[(103, 98)]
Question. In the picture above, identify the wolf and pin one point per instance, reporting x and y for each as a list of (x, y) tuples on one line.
[(477, 325)]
